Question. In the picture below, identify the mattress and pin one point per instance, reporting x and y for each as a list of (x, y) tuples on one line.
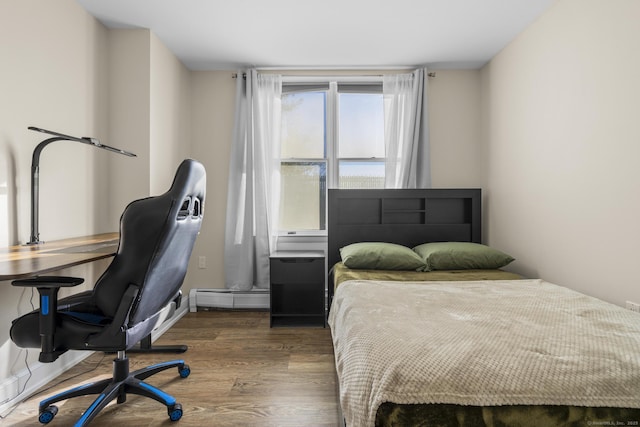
[(341, 273), (491, 352)]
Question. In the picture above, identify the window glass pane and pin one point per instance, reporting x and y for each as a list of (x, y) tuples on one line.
[(361, 174), (302, 195), (361, 125), (303, 120)]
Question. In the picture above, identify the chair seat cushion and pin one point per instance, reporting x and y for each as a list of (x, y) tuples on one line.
[(71, 332)]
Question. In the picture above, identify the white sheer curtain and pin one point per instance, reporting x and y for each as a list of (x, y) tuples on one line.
[(406, 134), (254, 182)]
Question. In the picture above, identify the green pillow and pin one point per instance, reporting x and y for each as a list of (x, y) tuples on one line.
[(380, 256), (461, 256)]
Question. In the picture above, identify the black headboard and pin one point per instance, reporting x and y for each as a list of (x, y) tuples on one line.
[(407, 217)]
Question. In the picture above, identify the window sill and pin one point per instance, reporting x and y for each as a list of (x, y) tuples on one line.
[(305, 242), (295, 234)]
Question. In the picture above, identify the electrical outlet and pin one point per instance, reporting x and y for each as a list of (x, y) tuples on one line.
[(633, 306), (202, 261)]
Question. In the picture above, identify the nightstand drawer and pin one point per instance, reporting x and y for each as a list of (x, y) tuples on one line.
[(297, 270)]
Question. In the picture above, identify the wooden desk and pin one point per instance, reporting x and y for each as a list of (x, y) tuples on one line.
[(21, 261)]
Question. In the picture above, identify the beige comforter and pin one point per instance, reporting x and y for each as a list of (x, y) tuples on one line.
[(480, 343)]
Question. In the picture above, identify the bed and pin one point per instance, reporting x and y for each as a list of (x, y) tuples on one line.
[(467, 347)]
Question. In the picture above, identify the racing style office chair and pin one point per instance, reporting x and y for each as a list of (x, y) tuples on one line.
[(157, 235)]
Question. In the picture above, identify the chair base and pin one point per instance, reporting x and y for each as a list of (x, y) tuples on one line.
[(118, 387), (145, 346)]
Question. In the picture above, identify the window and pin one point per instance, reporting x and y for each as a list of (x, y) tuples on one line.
[(332, 137)]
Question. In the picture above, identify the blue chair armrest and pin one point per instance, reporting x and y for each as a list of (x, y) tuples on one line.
[(48, 287), (49, 282)]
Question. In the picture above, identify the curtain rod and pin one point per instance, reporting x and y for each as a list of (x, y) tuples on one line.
[(244, 75)]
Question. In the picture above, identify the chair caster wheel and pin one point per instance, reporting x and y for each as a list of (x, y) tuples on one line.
[(47, 414), (175, 412), (184, 371)]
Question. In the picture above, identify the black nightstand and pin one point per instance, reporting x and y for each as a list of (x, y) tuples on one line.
[(297, 288)]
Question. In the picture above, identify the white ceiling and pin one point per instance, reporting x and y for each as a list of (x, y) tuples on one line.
[(230, 34)]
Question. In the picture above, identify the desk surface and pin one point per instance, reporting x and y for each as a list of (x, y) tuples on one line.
[(18, 262)]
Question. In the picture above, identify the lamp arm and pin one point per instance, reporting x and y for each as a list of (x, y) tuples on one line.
[(35, 188), (35, 171)]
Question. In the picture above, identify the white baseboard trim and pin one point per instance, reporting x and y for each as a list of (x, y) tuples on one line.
[(43, 373), (255, 299)]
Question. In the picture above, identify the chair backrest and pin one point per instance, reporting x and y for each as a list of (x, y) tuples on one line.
[(157, 235)]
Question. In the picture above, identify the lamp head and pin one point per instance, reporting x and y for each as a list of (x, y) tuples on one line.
[(85, 140)]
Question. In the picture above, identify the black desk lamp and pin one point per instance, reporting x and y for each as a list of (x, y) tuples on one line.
[(35, 167)]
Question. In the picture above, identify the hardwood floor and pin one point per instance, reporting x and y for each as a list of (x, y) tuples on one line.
[(242, 374)]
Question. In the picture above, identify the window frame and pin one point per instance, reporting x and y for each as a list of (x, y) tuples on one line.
[(330, 84)]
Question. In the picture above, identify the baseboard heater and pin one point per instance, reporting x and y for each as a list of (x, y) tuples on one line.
[(256, 299)]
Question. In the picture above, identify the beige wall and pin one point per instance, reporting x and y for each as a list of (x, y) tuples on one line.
[(55, 79), (454, 128), (129, 118), (150, 110), (561, 145), (170, 115), (213, 108)]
